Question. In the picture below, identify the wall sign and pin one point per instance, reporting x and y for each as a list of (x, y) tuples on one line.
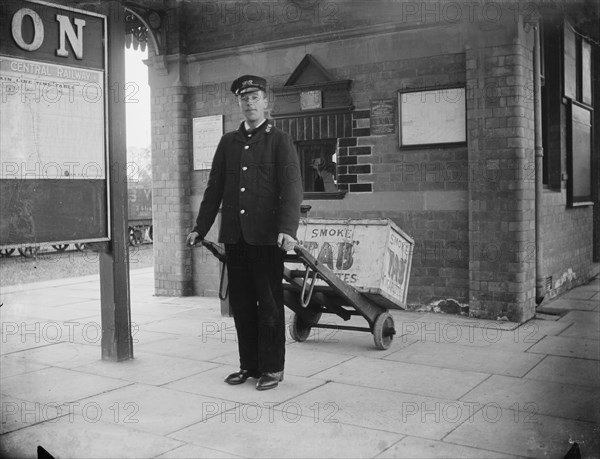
[(383, 117), (436, 116), (53, 112), (208, 131)]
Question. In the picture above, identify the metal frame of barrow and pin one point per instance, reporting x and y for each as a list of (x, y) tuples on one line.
[(309, 300)]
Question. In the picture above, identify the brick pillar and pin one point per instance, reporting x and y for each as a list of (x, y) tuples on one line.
[(501, 186), (171, 190)]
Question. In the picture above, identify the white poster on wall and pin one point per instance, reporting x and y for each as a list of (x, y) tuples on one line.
[(207, 132), (432, 116)]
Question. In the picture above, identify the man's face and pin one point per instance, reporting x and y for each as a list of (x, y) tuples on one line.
[(253, 105)]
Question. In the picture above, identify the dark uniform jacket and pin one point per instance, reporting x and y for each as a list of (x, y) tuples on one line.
[(257, 180)]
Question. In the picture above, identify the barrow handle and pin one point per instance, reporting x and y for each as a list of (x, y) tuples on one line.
[(214, 249)]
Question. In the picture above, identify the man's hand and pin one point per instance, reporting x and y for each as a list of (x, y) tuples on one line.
[(192, 239), (285, 242)]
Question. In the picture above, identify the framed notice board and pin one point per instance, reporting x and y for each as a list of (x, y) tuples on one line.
[(432, 116), (53, 119)]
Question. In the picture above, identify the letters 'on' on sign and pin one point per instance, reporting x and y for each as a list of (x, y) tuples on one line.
[(66, 31)]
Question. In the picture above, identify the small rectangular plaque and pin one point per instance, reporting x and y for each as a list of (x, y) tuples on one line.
[(310, 100), (383, 117)]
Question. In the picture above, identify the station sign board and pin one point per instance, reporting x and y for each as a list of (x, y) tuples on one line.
[(53, 119)]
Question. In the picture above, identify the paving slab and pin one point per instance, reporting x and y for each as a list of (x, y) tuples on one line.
[(18, 414), (428, 321), (583, 293), (348, 343), (147, 368), (59, 313), (261, 432), (298, 361), (512, 433), (196, 451), (209, 308), (379, 409), (57, 385), (531, 332), (567, 347), (181, 325), (62, 354), (13, 364), (83, 438), (161, 311), (567, 370), (404, 377), (154, 409), (583, 325), (533, 397), (19, 340), (466, 333), (32, 300), (413, 448), (92, 281), (581, 317), (494, 360), (193, 347), (211, 383), (585, 330), (572, 304)]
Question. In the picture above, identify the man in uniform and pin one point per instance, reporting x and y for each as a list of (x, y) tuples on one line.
[(255, 175)]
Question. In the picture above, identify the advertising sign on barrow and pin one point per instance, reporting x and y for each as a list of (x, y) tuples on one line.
[(373, 255)]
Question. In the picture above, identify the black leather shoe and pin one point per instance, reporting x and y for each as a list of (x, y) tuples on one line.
[(240, 377), (269, 380)]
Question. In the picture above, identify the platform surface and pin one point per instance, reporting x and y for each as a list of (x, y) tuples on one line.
[(449, 386)]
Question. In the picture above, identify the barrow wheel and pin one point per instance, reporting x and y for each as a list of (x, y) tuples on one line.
[(300, 329), (29, 251), (60, 247), (383, 331), (6, 252)]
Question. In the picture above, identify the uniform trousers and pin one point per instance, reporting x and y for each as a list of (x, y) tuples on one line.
[(255, 274)]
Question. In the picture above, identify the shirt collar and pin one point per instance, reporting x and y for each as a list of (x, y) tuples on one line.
[(247, 126)]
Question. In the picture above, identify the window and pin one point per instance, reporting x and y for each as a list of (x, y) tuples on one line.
[(579, 155), (577, 87), (318, 165)]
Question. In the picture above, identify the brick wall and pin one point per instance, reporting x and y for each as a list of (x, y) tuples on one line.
[(211, 24), (374, 164), (502, 209), (568, 247), (171, 190)]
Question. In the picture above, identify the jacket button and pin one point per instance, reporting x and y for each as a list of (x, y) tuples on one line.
[(242, 211), (242, 189), (244, 168), (246, 147)]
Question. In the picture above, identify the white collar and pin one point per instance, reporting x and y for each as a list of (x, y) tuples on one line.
[(247, 126)]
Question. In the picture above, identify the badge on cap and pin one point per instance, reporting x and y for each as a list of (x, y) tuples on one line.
[(246, 83)]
